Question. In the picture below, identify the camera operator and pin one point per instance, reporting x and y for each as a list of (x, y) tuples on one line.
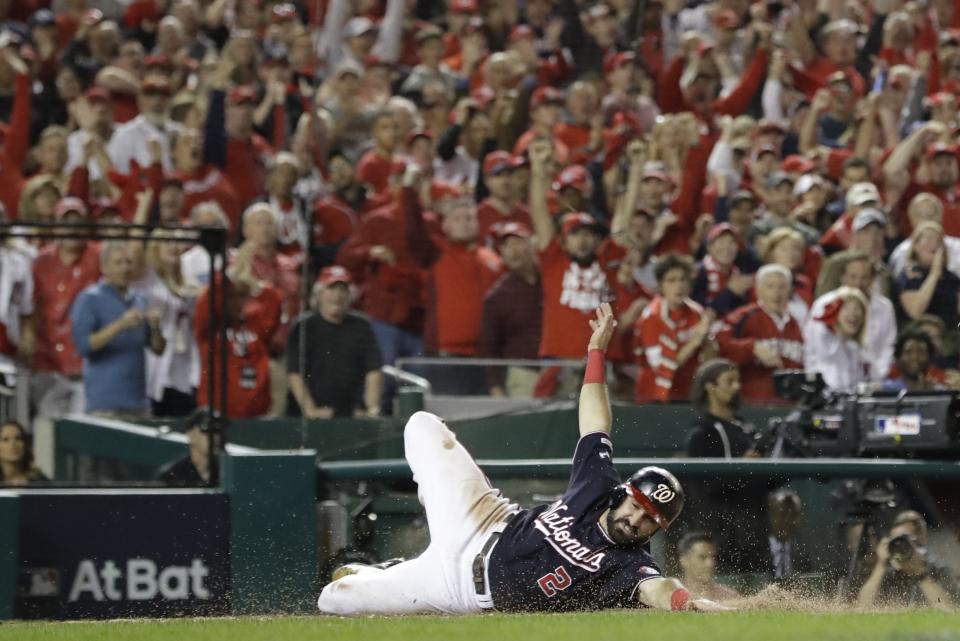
[(905, 572), (718, 432)]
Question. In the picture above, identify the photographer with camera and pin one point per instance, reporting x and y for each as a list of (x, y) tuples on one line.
[(719, 433), (905, 572)]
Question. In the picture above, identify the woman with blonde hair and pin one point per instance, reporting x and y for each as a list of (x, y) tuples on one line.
[(833, 341), (173, 376), (38, 199), (926, 285), (786, 246)]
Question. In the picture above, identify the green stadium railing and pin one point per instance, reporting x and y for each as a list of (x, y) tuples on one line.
[(539, 433)]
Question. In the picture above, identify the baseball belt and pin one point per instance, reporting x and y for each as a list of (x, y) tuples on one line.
[(480, 561)]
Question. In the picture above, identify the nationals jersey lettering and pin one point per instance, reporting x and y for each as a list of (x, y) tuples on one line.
[(788, 349), (557, 557), (555, 527), (584, 288)]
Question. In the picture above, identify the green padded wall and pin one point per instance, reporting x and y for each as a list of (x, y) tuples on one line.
[(273, 530)]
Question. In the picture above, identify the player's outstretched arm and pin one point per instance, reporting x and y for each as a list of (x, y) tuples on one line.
[(595, 414), (669, 594)]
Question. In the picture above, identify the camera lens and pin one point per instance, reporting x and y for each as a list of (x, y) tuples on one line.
[(901, 547)]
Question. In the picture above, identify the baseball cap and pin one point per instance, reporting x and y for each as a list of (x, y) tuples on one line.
[(619, 59), (506, 230), (521, 32), (520, 160), (742, 195), (939, 99), (97, 94), (769, 127), (348, 66), (869, 216), (805, 183), (546, 95), (70, 204), (843, 25), (777, 178), (42, 18), (463, 6), (576, 220), (938, 148), (575, 176), (156, 85), (797, 164), (474, 25), (862, 193), (161, 60), (599, 10), (497, 162), (428, 32), (373, 60), (723, 228), (419, 133), (358, 26), (283, 12), (334, 274), (285, 158), (242, 95)]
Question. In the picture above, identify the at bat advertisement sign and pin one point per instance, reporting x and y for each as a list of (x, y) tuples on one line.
[(92, 554)]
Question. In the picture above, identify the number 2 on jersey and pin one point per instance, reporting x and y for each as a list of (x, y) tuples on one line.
[(555, 581)]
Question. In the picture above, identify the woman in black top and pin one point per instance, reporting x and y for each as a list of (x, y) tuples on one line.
[(926, 286)]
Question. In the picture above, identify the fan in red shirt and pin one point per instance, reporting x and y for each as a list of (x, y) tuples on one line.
[(838, 41), (260, 256), (762, 337), (582, 133), (248, 365), (461, 272), (201, 182), (503, 205), (242, 151), (376, 164), (60, 272), (670, 336), (15, 136), (942, 170), (546, 107), (391, 281), (337, 215), (572, 189), (575, 283)]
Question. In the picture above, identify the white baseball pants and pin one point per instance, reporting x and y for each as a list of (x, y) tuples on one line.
[(463, 510)]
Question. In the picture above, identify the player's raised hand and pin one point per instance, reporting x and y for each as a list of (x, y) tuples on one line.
[(602, 327)]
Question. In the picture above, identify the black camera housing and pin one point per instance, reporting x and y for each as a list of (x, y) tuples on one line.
[(902, 548)]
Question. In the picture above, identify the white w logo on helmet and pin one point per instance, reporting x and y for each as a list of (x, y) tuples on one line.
[(663, 493)]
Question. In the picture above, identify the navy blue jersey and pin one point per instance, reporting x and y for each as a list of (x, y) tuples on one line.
[(557, 557)]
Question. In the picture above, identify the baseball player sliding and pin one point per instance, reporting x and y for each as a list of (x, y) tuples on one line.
[(584, 551)]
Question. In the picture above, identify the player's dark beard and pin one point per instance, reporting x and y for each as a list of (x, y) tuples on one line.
[(735, 401), (616, 530)]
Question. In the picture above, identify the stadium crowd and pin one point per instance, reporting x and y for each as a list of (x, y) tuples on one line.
[(771, 182)]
